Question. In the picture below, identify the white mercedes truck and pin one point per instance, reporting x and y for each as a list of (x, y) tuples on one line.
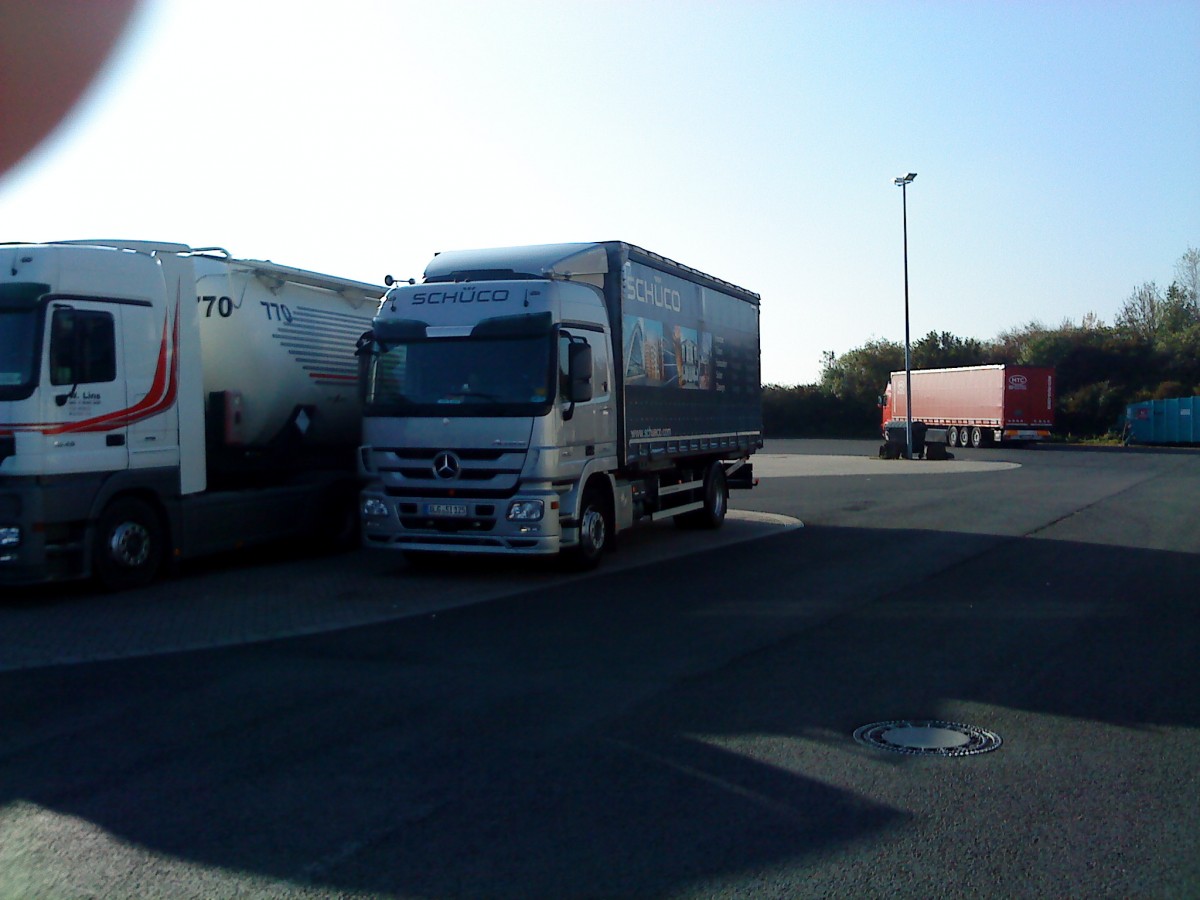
[(543, 399), (159, 402)]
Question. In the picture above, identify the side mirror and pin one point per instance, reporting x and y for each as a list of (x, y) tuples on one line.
[(579, 372), (365, 351)]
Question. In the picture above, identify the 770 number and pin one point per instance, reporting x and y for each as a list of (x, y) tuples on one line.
[(276, 312)]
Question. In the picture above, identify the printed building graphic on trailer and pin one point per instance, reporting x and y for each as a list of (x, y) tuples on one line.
[(652, 359), (644, 358)]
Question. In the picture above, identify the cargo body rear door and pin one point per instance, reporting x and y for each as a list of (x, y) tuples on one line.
[(1029, 397)]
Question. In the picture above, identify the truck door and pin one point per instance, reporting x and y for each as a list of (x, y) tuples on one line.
[(590, 429), (85, 396)]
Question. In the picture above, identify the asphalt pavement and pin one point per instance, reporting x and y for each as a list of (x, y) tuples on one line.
[(676, 725)]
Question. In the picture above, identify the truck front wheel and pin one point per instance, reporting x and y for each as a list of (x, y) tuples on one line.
[(594, 531), (130, 544)]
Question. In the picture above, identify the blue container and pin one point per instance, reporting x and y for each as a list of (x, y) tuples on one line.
[(1173, 421)]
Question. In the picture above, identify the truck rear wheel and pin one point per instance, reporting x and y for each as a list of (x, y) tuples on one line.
[(976, 437), (130, 544), (716, 501)]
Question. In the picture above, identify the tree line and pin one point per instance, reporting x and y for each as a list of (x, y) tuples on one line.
[(1151, 351)]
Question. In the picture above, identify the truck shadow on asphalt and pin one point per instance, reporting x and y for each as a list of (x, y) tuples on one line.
[(652, 730), (179, 574)]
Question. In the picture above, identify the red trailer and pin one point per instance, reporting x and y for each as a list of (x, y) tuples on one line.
[(977, 405)]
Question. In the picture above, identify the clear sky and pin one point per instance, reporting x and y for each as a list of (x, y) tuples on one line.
[(1057, 147)]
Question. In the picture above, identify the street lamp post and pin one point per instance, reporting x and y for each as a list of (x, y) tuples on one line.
[(904, 181)]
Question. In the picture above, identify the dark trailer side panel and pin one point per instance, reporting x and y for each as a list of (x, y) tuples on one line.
[(688, 358)]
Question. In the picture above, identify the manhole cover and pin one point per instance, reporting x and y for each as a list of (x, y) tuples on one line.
[(927, 737)]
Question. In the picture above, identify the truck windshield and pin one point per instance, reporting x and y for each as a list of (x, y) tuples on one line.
[(18, 338), (470, 376)]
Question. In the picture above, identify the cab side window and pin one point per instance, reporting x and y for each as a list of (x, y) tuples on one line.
[(83, 347), (600, 372)]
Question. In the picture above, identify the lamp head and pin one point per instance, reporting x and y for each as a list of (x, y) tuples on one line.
[(905, 179)]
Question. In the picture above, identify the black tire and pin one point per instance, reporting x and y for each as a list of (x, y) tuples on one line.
[(951, 436), (964, 436), (977, 437), (716, 502), (595, 529), (130, 545)]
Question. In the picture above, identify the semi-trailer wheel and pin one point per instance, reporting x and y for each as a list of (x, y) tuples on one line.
[(977, 437), (716, 501), (952, 436), (130, 544), (594, 528), (964, 436)]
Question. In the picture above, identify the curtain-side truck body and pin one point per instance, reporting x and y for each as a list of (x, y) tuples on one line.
[(977, 405)]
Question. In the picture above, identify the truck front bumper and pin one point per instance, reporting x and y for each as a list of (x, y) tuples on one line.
[(460, 524), (41, 532)]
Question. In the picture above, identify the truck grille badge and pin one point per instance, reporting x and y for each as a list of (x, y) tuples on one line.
[(446, 466)]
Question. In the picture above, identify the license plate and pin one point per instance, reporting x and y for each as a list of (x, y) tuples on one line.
[(445, 509)]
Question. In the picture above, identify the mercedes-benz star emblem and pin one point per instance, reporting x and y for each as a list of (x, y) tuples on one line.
[(446, 465)]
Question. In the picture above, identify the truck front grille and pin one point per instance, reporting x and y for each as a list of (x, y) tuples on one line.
[(481, 472), (435, 493)]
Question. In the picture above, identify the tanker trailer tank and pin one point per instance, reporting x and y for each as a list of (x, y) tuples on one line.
[(277, 345)]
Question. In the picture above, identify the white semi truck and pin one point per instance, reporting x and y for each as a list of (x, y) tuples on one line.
[(538, 400), (159, 402)]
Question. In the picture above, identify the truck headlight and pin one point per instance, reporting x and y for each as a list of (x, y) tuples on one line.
[(525, 511), (374, 508), (10, 537)]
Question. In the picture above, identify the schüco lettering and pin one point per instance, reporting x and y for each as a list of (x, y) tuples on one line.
[(657, 295), (460, 295)]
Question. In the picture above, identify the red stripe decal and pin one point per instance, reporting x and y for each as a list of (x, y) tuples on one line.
[(163, 390)]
